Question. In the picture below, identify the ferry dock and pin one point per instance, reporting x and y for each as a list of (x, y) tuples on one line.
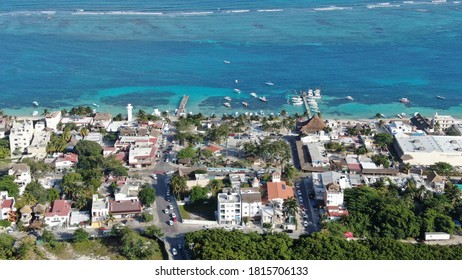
[(182, 107)]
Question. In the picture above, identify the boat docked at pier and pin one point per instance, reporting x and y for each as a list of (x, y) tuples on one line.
[(404, 100), (297, 100)]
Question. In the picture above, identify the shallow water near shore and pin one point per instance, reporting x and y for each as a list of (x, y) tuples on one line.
[(63, 55)]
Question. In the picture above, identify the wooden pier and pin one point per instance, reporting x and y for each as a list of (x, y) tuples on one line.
[(182, 107)]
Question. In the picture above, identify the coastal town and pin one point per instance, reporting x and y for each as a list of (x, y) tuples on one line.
[(168, 180)]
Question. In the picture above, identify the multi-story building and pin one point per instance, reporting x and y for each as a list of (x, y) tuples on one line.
[(7, 209), (20, 136), (52, 120), (58, 214), (22, 177), (444, 121), (333, 195), (99, 211), (229, 208), (38, 147)]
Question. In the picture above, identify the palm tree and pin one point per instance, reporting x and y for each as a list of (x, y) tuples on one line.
[(45, 112), (290, 206), (178, 185), (109, 219), (406, 167), (84, 131)]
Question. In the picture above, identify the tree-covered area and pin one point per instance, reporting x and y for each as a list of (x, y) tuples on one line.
[(381, 160), (186, 123), (388, 211), (270, 151), (4, 148), (383, 139), (219, 244), (7, 184)]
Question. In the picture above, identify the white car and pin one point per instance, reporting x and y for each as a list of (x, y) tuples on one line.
[(299, 192), (154, 176), (173, 215), (170, 207), (300, 199), (170, 223), (166, 210), (174, 251), (305, 223)]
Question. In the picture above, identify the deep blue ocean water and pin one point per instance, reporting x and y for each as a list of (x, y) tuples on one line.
[(151, 54)]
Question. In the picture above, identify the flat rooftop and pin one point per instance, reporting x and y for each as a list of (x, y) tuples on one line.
[(430, 143)]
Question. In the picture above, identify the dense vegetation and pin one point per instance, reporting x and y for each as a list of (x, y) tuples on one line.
[(268, 150), (219, 244)]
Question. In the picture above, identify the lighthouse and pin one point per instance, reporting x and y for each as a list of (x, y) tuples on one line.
[(130, 112)]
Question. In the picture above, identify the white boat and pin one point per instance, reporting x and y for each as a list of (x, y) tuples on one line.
[(262, 113), (399, 116), (245, 104), (349, 98), (96, 105), (226, 61), (263, 99), (300, 102), (253, 94), (269, 84), (440, 97), (236, 90), (404, 100), (227, 104), (310, 93), (35, 113), (236, 81), (403, 114), (296, 99), (227, 98), (35, 103), (383, 116), (317, 93)]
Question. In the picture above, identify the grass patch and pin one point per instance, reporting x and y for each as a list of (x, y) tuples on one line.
[(92, 248), (204, 210), (59, 249), (184, 214)]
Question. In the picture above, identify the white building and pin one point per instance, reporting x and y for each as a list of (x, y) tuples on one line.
[(95, 137), (141, 155), (318, 155), (38, 147), (52, 120), (251, 203), (398, 128), (333, 195), (22, 177), (99, 211), (77, 120), (427, 150), (20, 136), (58, 214), (7, 209), (229, 208), (443, 121)]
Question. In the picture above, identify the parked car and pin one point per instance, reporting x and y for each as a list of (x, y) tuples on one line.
[(174, 251), (170, 207), (305, 223), (166, 210), (170, 223), (299, 192), (300, 199)]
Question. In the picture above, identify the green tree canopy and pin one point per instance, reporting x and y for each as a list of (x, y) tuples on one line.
[(443, 168), (85, 148), (80, 235), (147, 195), (198, 194), (188, 152), (7, 184), (383, 139)]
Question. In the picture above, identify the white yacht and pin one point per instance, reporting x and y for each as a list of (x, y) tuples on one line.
[(263, 99), (399, 116), (236, 90), (236, 81), (349, 98), (299, 102), (245, 104), (227, 98), (269, 84), (317, 93), (440, 97), (226, 61), (404, 100), (253, 94), (35, 113), (35, 103), (227, 104), (96, 105)]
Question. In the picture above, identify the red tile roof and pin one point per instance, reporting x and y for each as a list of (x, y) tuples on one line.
[(59, 208), (213, 148), (7, 204), (336, 211), (279, 190)]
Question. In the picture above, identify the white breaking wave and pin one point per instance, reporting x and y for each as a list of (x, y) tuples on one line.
[(28, 13), (196, 13), (332, 8), (271, 10), (382, 5), (238, 11), (116, 13)]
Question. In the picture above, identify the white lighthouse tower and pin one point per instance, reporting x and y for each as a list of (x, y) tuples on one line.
[(130, 112)]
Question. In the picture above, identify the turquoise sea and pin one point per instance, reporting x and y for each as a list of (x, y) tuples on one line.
[(151, 53)]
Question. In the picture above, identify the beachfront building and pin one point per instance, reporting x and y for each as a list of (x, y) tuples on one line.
[(20, 136), (102, 120), (58, 214), (427, 150), (7, 209), (398, 128), (313, 130), (99, 211), (443, 121), (21, 174), (318, 155), (229, 208), (53, 119), (79, 121), (251, 203)]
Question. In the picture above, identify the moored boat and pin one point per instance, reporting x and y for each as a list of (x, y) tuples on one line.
[(253, 94), (227, 104), (269, 84), (236, 90), (404, 100), (245, 104), (263, 99), (349, 98)]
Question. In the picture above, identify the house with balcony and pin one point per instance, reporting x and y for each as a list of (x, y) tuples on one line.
[(7, 209), (21, 174), (229, 208), (124, 209), (58, 214), (20, 136), (66, 161), (53, 119), (99, 211)]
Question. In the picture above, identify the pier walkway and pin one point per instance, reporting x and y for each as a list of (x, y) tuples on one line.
[(182, 107), (308, 110)]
